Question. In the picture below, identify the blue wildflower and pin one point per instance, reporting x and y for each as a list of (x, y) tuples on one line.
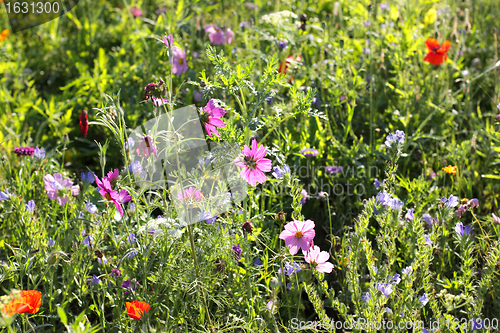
[(428, 240), (385, 288), (130, 143), (462, 230), (407, 271), (423, 299), (4, 195), (282, 45), (30, 206), (451, 202), (51, 242), (39, 153), (409, 215), (93, 280), (398, 138), (90, 207), (131, 238)]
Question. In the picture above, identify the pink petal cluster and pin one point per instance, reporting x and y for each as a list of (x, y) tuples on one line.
[(107, 192), (190, 193), (218, 35), (147, 147), (57, 188), (318, 259), (179, 64), (298, 234), (210, 118), (254, 164)]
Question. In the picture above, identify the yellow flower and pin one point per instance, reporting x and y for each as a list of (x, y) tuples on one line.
[(450, 169), (430, 16)]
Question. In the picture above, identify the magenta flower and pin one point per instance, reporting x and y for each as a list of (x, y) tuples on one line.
[(147, 146), (109, 194), (168, 41), (218, 35), (298, 234), (20, 151), (254, 164), (210, 118), (318, 259), (113, 176), (179, 64), (495, 218), (190, 193), (136, 12), (57, 187)]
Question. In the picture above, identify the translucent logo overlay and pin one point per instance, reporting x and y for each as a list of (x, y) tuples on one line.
[(26, 14), (174, 154)]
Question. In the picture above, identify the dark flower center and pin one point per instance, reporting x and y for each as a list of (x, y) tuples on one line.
[(298, 234), (250, 162), (108, 196)]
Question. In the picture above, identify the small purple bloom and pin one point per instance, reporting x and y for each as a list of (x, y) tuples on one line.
[(473, 203), (116, 272), (258, 262), (131, 239), (462, 230), (475, 325), (90, 207), (30, 206), (136, 12), (407, 270), (451, 202), (89, 241), (396, 278), (304, 197), (387, 310), (383, 198), (376, 182), (103, 260), (375, 269), (51, 242), (365, 297), (385, 288), (427, 218), (129, 286), (384, 6), (87, 178), (132, 254), (309, 152), (282, 45), (495, 218), (132, 207), (130, 143), (395, 203), (398, 138), (94, 280), (207, 217), (237, 252), (333, 170), (281, 172), (423, 299), (4, 195), (428, 240), (39, 153), (409, 215)]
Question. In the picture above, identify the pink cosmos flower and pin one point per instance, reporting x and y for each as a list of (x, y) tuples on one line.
[(168, 41), (147, 146), (179, 64), (109, 194), (218, 36), (298, 234), (57, 187), (318, 259), (254, 164), (113, 176), (210, 117), (190, 193)]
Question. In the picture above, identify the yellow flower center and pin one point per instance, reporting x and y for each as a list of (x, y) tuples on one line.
[(299, 234), (181, 61)]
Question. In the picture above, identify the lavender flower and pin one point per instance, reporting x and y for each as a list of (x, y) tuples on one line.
[(282, 45), (395, 279), (385, 288), (376, 182), (39, 153), (116, 272), (257, 262), (30, 206), (130, 143), (94, 280), (51, 242), (4, 195), (462, 230), (237, 252), (304, 197), (131, 239), (129, 286), (207, 217), (102, 261), (407, 270), (427, 218), (290, 269), (90, 207), (132, 254), (309, 152), (333, 170), (451, 202), (281, 172), (428, 240), (383, 198), (365, 297), (398, 139), (87, 178), (384, 6), (409, 215), (423, 299), (395, 203)]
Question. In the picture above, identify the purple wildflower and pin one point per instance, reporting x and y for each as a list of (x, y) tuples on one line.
[(88, 178), (131, 238), (30, 206), (93, 280), (51, 242), (385, 288), (24, 151), (4, 195), (116, 272), (304, 197), (409, 215), (333, 170), (309, 152), (424, 299), (398, 138), (91, 208), (39, 153), (462, 230), (237, 252)]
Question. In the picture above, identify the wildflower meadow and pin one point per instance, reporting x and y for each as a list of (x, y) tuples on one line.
[(250, 166)]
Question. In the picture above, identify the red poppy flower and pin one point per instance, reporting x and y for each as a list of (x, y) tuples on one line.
[(437, 53), (29, 301), (285, 64), (137, 309)]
